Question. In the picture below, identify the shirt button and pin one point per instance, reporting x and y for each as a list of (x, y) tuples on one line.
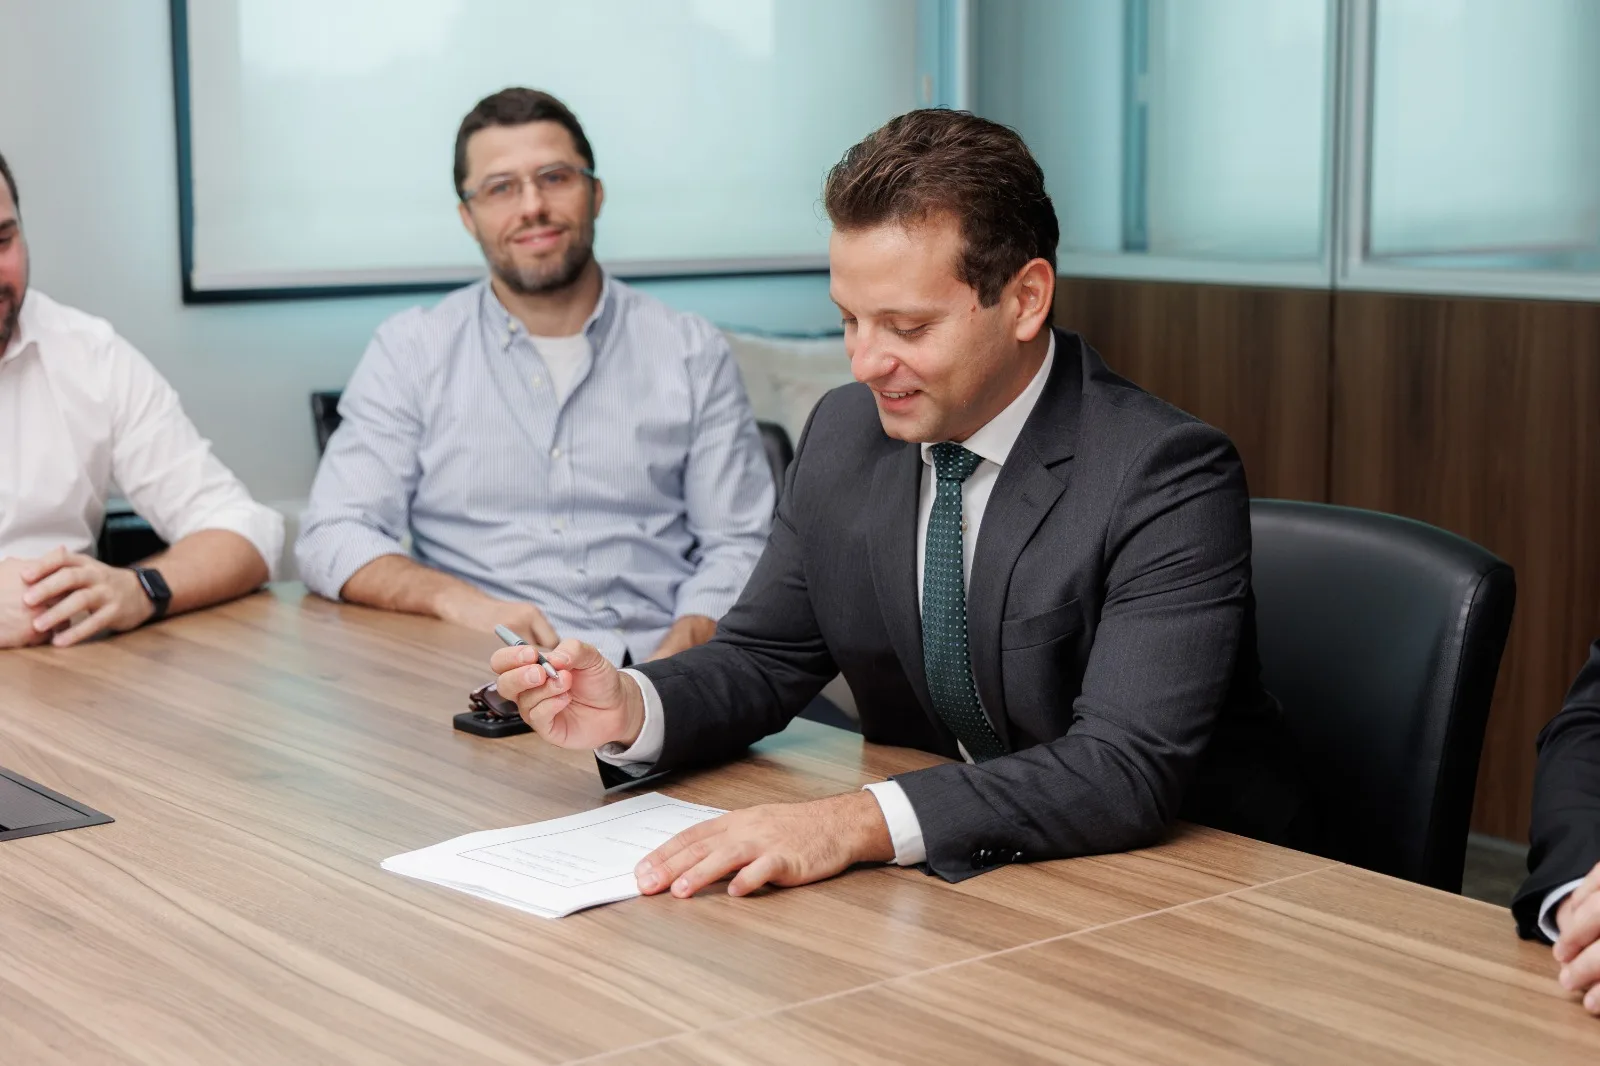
[(538, 383), (595, 605), (555, 453), (558, 523)]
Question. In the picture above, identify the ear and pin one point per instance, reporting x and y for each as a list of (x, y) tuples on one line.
[(1034, 293), (466, 219), (599, 197)]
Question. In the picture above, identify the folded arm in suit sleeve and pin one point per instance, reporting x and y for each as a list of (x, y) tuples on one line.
[(767, 662), (1565, 833), (1177, 583)]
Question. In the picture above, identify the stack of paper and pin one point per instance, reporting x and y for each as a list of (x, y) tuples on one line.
[(554, 868)]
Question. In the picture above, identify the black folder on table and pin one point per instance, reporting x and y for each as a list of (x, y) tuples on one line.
[(28, 808)]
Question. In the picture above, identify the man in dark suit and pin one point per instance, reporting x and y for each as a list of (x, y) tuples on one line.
[(1560, 901), (1016, 558)]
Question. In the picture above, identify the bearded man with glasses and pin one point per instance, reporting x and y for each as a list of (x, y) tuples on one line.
[(568, 456)]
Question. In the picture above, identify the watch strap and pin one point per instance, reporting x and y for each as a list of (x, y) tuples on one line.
[(155, 587)]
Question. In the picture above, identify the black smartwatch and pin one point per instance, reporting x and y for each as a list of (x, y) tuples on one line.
[(155, 586)]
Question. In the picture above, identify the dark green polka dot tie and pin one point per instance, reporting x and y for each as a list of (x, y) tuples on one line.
[(944, 609)]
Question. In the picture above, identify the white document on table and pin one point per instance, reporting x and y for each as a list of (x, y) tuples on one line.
[(557, 867)]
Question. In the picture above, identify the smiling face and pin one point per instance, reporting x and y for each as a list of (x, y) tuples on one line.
[(13, 267), (540, 242), (939, 364)]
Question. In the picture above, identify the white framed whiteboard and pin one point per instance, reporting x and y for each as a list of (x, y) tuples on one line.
[(316, 136)]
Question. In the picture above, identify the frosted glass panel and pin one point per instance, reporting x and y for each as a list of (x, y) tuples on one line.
[(1236, 94), (1486, 130), (322, 130), (1053, 70), (1192, 128)]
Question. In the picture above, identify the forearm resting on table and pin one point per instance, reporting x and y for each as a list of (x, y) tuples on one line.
[(400, 583), (209, 567)]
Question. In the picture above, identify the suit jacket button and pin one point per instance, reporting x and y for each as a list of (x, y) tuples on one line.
[(1016, 856), (982, 858)]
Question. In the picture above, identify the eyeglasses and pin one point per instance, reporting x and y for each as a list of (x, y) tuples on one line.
[(553, 182)]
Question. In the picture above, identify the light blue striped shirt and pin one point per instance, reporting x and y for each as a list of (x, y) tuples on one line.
[(641, 496)]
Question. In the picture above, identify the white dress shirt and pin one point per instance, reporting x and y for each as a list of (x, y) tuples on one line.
[(82, 411), (993, 444), (1547, 909)]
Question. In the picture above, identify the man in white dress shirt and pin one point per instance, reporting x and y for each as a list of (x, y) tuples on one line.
[(80, 411), (1017, 559)]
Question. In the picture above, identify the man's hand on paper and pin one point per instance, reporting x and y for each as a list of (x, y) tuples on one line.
[(1578, 950), (779, 844), (588, 704)]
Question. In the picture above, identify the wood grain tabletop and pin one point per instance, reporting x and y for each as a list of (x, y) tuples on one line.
[(262, 758)]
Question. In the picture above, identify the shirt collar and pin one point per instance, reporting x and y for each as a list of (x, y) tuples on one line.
[(994, 439), (26, 330), (504, 324)]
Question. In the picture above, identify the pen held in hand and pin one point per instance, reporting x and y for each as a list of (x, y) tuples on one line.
[(512, 640)]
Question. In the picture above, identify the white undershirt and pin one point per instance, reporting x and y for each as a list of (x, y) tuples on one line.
[(563, 357), (993, 443)]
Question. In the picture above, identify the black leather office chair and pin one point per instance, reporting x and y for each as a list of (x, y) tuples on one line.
[(780, 453), (325, 416), (125, 538), (1382, 638)]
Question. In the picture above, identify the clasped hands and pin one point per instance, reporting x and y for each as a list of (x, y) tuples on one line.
[(591, 703), (1578, 948), (39, 598)]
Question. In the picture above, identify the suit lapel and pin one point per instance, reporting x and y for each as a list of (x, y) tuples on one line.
[(1031, 481), (895, 486)]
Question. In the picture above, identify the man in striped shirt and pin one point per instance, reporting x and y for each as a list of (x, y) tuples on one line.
[(569, 457)]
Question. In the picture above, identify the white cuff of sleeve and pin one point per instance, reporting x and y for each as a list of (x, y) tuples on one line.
[(1547, 909), (904, 829), (256, 523), (646, 749)]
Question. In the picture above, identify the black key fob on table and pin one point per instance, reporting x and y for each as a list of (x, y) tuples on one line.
[(490, 714)]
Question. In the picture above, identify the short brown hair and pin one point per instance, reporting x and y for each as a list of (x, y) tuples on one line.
[(938, 161), (517, 107), (11, 184)]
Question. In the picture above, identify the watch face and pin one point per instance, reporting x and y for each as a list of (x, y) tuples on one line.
[(155, 586)]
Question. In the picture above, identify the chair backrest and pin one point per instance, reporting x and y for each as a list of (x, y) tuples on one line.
[(1382, 637), (780, 453), (125, 538), (325, 416)]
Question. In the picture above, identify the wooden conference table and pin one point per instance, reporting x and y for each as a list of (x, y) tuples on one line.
[(261, 759)]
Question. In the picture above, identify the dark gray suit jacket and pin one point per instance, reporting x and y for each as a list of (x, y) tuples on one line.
[(1111, 627), (1566, 798)]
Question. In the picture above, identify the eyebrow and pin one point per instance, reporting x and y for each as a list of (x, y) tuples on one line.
[(893, 312)]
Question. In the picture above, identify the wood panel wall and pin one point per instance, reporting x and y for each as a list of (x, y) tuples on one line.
[(1252, 362), (1483, 417), (1479, 416)]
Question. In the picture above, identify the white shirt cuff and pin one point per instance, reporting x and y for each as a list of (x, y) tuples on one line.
[(904, 829), (1547, 909), (256, 523), (646, 749)]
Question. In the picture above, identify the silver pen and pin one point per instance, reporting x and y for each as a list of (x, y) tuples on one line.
[(510, 639)]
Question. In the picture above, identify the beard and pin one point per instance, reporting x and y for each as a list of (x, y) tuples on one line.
[(553, 277), (10, 312)]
